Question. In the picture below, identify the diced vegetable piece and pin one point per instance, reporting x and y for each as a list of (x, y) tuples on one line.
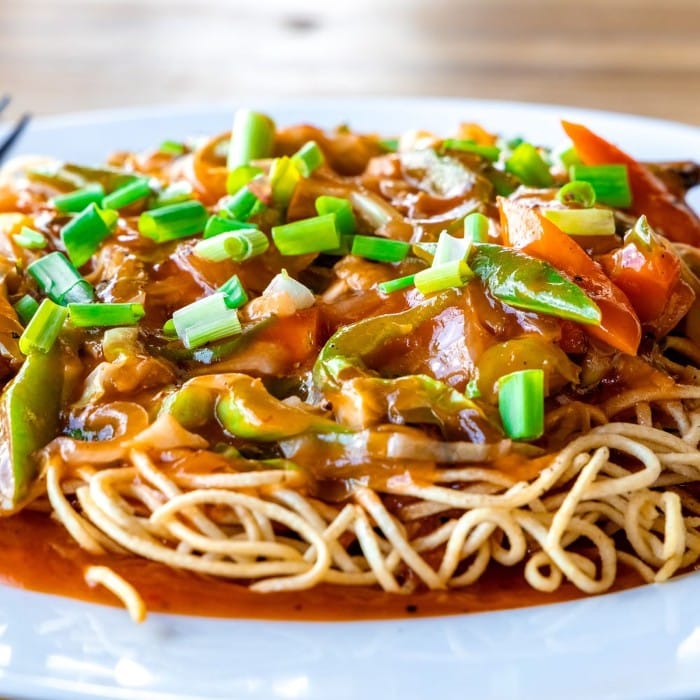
[(312, 235), (44, 328), (83, 235), (252, 138), (380, 249), (476, 228), (241, 204), (59, 279), (219, 224), (526, 163), (205, 321), (342, 209), (610, 183), (396, 285), (29, 238), (235, 245), (26, 307), (308, 158), (241, 176), (127, 194), (583, 222), (491, 153), (450, 248), (76, 201), (448, 275), (236, 295), (300, 294), (173, 222), (579, 193), (521, 404), (103, 315)]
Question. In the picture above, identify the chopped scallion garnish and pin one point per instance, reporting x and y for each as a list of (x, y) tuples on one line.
[(59, 279), (448, 275), (128, 194), (235, 293), (173, 221), (44, 327), (521, 403), (578, 192), (76, 201), (491, 153), (526, 163), (104, 315), (396, 285), (476, 228), (610, 182), (26, 307), (219, 224), (389, 145), (233, 245), (240, 206), (583, 222), (313, 235), (451, 248), (342, 209), (205, 321), (174, 193), (308, 158), (380, 249), (29, 238), (83, 235), (241, 176), (171, 148), (252, 138), (284, 176)]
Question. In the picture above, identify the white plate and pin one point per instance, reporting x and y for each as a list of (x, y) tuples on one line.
[(643, 643)]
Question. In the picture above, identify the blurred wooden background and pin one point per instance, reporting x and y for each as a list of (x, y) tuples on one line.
[(639, 56)]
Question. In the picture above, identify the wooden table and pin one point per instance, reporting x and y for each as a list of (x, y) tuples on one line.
[(638, 56)]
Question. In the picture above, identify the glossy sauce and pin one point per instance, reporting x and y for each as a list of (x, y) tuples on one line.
[(39, 555)]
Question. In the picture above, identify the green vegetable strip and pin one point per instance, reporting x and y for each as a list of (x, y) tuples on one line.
[(396, 285), (610, 182), (527, 164), (171, 148), (476, 228), (44, 327), (240, 205), (173, 222), (342, 209), (235, 245), (583, 222), (577, 193), (75, 202), (83, 235), (29, 238), (103, 315), (308, 158), (236, 295), (219, 224), (312, 235), (491, 153), (389, 145), (128, 194), (527, 283), (252, 138), (174, 193), (521, 404), (380, 249), (455, 273), (284, 177), (59, 279), (26, 307)]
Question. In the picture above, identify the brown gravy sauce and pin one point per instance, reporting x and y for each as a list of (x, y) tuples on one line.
[(39, 555)]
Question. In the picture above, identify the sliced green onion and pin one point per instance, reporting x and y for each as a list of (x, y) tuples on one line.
[(233, 245), (472, 390), (76, 201), (476, 228), (448, 275), (205, 321), (312, 235), (29, 238), (173, 222), (236, 295), (252, 138), (610, 182), (583, 222), (389, 145), (308, 158), (396, 285), (241, 176), (82, 235), (374, 210), (103, 315), (577, 192), (284, 176), (451, 248), (127, 194), (345, 247), (174, 193), (59, 279), (526, 163), (26, 308), (568, 157), (380, 249), (219, 224), (240, 205), (641, 234), (521, 403), (169, 328), (491, 153), (342, 209), (171, 148), (300, 294), (43, 328)]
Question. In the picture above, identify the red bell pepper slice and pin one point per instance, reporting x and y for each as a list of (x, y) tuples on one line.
[(666, 213), (525, 228)]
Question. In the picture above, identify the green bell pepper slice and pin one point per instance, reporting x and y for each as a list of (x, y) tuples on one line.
[(531, 284), (30, 406)]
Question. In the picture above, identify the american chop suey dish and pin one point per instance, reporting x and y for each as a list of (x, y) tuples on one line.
[(292, 373)]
